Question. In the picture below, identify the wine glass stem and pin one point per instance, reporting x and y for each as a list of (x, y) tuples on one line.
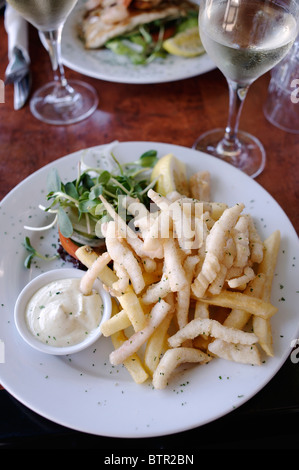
[(230, 144), (52, 40)]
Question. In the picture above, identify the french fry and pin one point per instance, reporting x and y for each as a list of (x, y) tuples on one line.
[(119, 321), (262, 327), (131, 304), (133, 363), (88, 256), (268, 264), (239, 318), (155, 344), (263, 330), (231, 299), (140, 337)]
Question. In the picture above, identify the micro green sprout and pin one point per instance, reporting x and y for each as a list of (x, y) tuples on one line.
[(77, 205), (34, 253)]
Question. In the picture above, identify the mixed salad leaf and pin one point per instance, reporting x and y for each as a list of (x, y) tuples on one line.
[(77, 205), (79, 212)]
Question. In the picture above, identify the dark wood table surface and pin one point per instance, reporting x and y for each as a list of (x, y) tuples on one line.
[(177, 113)]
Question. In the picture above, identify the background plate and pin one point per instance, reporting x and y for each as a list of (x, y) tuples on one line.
[(83, 391), (106, 65)]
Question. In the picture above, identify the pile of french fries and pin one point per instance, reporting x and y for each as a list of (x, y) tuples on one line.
[(190, 281)]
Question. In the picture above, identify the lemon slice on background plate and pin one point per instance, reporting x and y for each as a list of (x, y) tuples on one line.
[(185, 44), (171, 174)]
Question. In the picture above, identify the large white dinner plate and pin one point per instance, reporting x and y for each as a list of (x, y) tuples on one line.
[(104, 64), (83, 391)]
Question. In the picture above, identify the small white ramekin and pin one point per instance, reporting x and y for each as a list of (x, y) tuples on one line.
[(37, 283)]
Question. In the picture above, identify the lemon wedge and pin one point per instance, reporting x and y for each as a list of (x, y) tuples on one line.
[(185, 44), (171, 175)]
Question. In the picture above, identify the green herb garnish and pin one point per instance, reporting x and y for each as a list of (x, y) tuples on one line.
[(77, 203), (34, 253)]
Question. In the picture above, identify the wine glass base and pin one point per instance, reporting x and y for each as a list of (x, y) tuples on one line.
[(250, 158), (74, 107)]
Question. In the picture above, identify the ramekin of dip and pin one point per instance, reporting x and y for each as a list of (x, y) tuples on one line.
[(53, 316)]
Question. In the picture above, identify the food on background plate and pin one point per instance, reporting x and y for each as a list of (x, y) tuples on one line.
[(190, 278), (142, 30), (185, 43)]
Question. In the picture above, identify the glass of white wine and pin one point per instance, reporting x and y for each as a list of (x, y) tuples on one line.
[(245, 39), (61, 101)]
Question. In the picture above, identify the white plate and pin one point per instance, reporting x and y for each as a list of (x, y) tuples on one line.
[(84, 392), (106, 65)]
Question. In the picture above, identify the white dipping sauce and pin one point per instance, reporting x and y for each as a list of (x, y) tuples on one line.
[(59, 314)]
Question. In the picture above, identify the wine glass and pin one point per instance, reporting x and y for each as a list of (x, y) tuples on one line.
[(60, 101), (245, 39)]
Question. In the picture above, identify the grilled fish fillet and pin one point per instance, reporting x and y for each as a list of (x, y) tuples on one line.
[(95, 32)]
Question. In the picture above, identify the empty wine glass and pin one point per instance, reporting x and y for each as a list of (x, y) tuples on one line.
[(245, 39), (60, 101)]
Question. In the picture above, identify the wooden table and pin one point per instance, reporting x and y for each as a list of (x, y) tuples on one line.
[(170, 112)]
